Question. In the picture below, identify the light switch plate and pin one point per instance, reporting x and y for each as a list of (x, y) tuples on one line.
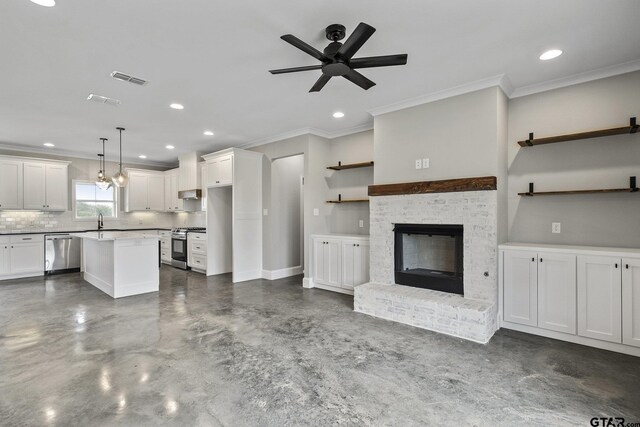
[(555, 227), (418, 164), (265, 212), (425, 163), (316, 212), (361, 223)]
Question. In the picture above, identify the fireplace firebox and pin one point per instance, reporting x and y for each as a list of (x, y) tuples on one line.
[(429, 256)]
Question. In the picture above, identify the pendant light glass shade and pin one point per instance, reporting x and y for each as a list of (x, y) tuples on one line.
[(102, 182), (120, 179)]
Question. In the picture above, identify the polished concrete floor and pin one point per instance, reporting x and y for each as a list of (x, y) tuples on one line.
[(206, 352)]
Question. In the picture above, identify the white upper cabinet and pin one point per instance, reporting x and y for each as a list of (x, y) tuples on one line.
[(219, 171), (203, 176), (10, 184), (145, 191), (521, 287), (171, 187), (600, 298), (45, 186)]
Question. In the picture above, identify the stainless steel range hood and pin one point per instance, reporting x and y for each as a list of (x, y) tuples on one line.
[(189, 182), (190, 194)]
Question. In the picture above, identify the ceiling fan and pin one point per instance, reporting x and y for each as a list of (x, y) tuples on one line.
[(337, 58)]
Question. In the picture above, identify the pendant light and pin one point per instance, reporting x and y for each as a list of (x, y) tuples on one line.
[(102, 182), (120, 179)]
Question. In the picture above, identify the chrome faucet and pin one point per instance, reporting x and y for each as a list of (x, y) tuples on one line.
[(100, 221)]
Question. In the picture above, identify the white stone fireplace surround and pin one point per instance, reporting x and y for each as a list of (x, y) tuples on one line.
[(472, 316)]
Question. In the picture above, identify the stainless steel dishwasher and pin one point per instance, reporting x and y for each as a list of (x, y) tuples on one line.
[(61, 253)]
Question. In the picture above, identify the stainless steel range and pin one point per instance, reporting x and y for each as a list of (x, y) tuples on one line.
[(179, 246)]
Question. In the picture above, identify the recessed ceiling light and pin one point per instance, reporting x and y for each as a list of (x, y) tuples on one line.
[(49, 144), (208, 133), (338, 114), (142, 156), (170, 147), (550, 54), (177, 106), (45, 3)]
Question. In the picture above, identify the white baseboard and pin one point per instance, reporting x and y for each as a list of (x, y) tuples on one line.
[(99, 283), (590, 342), (22, 275), (282, 273), (308, 283)]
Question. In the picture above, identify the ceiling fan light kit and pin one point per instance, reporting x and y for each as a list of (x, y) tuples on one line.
[(337, 58)]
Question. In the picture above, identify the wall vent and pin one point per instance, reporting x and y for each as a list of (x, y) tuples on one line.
[(127, 78), (104, 100)]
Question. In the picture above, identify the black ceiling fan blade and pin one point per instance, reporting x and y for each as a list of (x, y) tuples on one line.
[(293, 40), (320, 83), (357, 78), (379, 61), (355, 41), (296, 69)]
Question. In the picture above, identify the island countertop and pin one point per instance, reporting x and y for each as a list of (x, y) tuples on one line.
[(114, 235)]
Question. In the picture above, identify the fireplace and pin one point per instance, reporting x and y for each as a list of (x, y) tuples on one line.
[(429, 256)]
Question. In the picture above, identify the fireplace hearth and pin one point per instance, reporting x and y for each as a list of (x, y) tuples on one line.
[(429, 256)]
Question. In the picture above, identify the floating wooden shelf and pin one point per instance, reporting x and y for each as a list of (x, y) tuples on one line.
[(608, 190), (349, 201), (340, 167), (632, 128), (481, 183)]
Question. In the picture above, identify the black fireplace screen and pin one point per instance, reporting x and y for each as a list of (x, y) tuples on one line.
[(429, 256)]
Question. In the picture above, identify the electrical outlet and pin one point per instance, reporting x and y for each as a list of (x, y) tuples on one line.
[(555, 227), (418, 164), (265, 212), (425, 163), (361, 223), (316, 212)]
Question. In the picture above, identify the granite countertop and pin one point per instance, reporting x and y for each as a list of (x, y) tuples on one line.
[(113, 235), (27, 231)]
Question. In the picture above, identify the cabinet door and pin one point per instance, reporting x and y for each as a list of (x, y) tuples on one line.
[(520, 287), (225, 170), (355, 263), (168, 201), (203, 180), (318, 260), (600, 298), (557, 292), (137, 191), (631, 302), (26, 258), (56, 187), (212, 173), (10, 184), (34, 186), (155, 197), (5, 267), (332, 262)]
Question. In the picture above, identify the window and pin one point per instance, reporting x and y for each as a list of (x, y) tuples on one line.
[(89, 201)]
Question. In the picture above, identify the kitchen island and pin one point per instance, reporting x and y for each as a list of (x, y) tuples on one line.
[(121, 264)]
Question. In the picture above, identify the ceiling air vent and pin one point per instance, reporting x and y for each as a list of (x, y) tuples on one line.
[(104, 100), (127, 78)]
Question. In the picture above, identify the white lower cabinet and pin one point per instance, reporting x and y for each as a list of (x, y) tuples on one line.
[(165, 246), (586, 295), (21, 256), (197, 251), (339, 262), (631, 302)]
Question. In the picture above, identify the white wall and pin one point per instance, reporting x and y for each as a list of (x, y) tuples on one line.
[(286, 211), (595, 219)]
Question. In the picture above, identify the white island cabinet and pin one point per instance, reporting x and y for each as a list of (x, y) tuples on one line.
[(121, 264)]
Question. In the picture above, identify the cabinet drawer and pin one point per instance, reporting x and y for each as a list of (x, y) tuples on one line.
[(27, 238), (199, 262), (164, 233), (198, 248), (4, 239), (198, 236)]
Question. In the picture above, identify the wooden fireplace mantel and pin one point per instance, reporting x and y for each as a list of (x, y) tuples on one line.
[(481, 183)]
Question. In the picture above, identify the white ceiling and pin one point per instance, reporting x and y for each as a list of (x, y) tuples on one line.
[(213, 57)]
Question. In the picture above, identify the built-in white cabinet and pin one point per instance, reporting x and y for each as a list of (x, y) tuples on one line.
[(10, 184), (45, 186), (171, 188), (631, 301), (219, 171), (145, 191), (21, 256), (355, 263), (600, 297), (587, 295), (197, 251), (339, 262), (165, 246)]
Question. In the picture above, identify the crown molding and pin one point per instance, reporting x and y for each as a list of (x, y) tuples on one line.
[(308, 131), (587, 76), (71, 154), (501, 81)]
